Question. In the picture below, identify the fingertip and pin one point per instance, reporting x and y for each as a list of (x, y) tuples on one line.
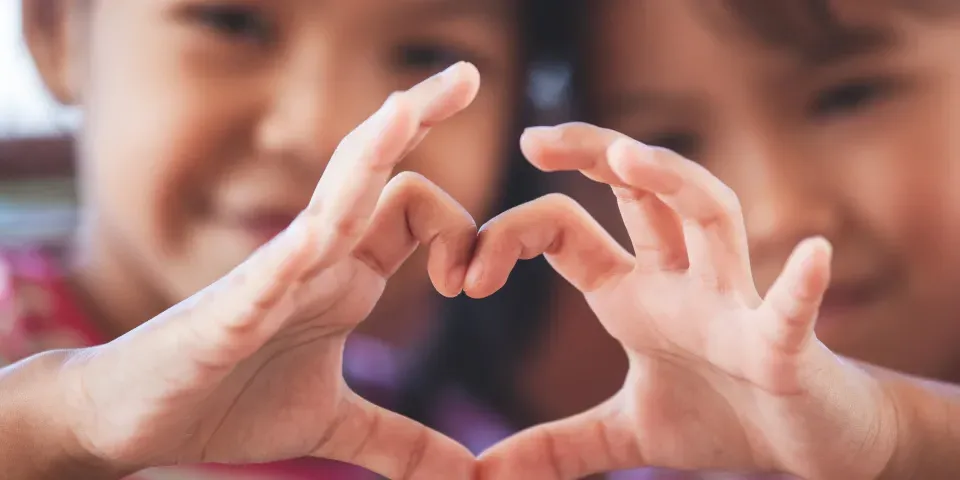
[(455, 282), (470, 75), (472, 281), (818, 247), (533, 144), (460, 86), (813, 256)]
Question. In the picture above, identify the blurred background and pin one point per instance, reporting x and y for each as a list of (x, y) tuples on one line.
[(36, 189)]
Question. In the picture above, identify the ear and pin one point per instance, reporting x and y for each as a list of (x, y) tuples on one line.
[(53, 31)]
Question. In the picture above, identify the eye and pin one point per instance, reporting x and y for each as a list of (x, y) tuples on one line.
[(428, 57), (237, 22), (685, 144), (850, 97)]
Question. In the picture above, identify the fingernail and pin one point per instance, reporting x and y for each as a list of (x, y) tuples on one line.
[(447, 74), (812, 243), (456, 277), (474, 275), (549, 134)]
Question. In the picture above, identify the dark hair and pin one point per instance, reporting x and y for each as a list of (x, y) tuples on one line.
[(478, 345), (810, 29), (814, 28)]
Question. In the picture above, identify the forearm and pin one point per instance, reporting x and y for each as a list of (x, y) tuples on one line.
[(35, 442), (928, 426)]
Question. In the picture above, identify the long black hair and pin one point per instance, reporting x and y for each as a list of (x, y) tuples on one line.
[(478, 345)]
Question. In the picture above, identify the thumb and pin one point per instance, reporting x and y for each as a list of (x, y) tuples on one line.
[(794, 299), (598, 440), (392, 445)]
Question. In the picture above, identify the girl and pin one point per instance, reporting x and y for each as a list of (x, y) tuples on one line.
[(829, 118), (206, 125), (727, 381)]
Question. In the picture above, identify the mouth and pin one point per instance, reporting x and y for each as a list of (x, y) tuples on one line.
[(261, 225), (847, 298)]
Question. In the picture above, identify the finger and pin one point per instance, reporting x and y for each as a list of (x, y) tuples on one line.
[(572, 146), (351, 185), (241, 304), (655, 230), (556, 226), (794, 299), (414, 211), (595, 441), (716, 239), (392, 445)]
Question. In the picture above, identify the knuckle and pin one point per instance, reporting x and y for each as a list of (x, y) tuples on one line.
[(348, 226), (406, 187), (664, 156), (417, 453), (554, 457), (560, 201), (410, 181), (729, 201)]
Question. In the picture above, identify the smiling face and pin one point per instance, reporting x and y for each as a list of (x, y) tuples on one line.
[(208, 123), (855, 139)]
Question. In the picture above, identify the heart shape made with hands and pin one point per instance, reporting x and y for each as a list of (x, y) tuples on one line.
[(718, 376)]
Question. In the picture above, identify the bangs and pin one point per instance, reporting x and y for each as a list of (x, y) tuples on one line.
[(813, 28)]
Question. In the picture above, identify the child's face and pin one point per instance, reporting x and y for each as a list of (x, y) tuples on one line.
[(862, 148), (208, 123)]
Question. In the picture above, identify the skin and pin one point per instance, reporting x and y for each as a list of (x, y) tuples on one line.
[(814, 148), (732, 381), (810, 149), (777, 367), (748, 370), (281, 319), (207, 125)]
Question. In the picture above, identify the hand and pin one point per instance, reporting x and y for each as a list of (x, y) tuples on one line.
[(249, 369), (719, 378)]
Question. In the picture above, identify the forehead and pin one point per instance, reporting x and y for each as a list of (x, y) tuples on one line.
[(671, 43), (494, 9), (803, 29), (370, 10)]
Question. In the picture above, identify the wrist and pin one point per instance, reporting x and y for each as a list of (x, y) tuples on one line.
[(905, 459), (37, 438), (927, 440)]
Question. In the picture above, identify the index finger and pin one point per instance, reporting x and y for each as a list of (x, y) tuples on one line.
[(572, 146), (392, 445), (596, 441), (362, 164), (339, 211)]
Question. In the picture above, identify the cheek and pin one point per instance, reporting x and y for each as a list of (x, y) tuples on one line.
[(905, 186), (150, 144)]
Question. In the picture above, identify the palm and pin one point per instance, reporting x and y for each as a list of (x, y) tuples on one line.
[(695, 367), (297, 372)]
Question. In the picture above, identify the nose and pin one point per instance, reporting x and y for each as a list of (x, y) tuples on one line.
[(784, 197), (315, 101)]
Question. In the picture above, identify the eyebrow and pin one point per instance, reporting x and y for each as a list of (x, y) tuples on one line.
[(847, 45), (445, 9)]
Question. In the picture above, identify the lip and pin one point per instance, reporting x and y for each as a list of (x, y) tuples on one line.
[(260, 225), (848, 298)]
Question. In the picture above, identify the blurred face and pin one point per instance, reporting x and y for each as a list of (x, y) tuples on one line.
[(208, 123), (859, 143)]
